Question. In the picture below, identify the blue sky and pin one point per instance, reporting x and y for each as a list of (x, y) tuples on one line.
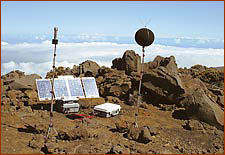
[(183, 19), (186, 25)]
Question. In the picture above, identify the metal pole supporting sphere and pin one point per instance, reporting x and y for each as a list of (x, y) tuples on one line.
[(144, 37)]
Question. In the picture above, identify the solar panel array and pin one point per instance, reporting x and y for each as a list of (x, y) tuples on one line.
[(68, 88)]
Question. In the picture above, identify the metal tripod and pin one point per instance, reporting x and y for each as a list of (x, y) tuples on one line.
[(55, 42)]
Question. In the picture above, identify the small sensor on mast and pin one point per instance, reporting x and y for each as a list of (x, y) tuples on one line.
[(55, 40)]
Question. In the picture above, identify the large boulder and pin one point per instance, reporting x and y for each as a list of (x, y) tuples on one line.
[(168, 62), (162, 86), (121, 125), (113, 82), (201, 107), (133, 132), (141, 134), (144, 136), (130, 62), (12, 76), (25, 82), (88, 66), (79, 133)]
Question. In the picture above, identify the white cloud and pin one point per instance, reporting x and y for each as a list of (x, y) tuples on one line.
[(4, 43), (32, 68), (37, 57), (43, 37)]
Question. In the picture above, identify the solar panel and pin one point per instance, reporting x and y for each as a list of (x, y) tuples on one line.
[(75, 87), (90, 87), (44, 89), (67, 88), (60, 89)]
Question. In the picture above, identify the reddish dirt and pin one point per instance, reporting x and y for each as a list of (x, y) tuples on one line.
[(23, 131)]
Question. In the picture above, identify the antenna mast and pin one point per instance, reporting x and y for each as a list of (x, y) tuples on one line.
[(54, 42), (144, 37)]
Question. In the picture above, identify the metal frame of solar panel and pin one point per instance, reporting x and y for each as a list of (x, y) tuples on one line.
[(44, 88), (90, 87)]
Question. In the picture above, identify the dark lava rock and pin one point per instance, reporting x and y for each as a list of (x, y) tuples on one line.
[(130, 62), (199, 105), (121, 125), (168, 62), (88, 67), (162, 86), (12, 76), (25, 82)]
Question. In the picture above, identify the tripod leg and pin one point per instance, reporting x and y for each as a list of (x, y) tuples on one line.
[(48, 132), (55, 130)]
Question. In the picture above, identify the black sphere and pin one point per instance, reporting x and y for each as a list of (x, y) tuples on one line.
[(144, 37)]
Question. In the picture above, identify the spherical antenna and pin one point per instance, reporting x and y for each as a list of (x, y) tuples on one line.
[(144, 37)]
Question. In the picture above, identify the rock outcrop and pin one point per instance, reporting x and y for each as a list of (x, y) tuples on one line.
[(162, 86), (141, 134), (199, 106), (25, 82), (113, 82), (19, 89), (168, 62), (130, 62), (88, 67)]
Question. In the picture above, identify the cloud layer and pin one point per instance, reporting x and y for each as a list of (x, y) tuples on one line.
[(37, 57), (201, 42)]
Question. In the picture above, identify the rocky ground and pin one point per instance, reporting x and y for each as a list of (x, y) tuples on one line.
[(182, 111)]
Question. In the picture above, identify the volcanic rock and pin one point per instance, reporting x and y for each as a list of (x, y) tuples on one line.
[(53, 148), (217, 91), (32, 96), (74, 70), (130, 62), (90, 102), (162, 86), (63, 71), (220, 101), (4, 88), (199, 105), (79, 133), (168, 62), (113, 83), (193, 125), (144, 135), (12, 76), (121, 125), (14, 94), (133, 132), (25, 82), (37, 142), (141, 134), (211, 76), (5, 101), (119, 149), (112, 99), (88, 66)]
